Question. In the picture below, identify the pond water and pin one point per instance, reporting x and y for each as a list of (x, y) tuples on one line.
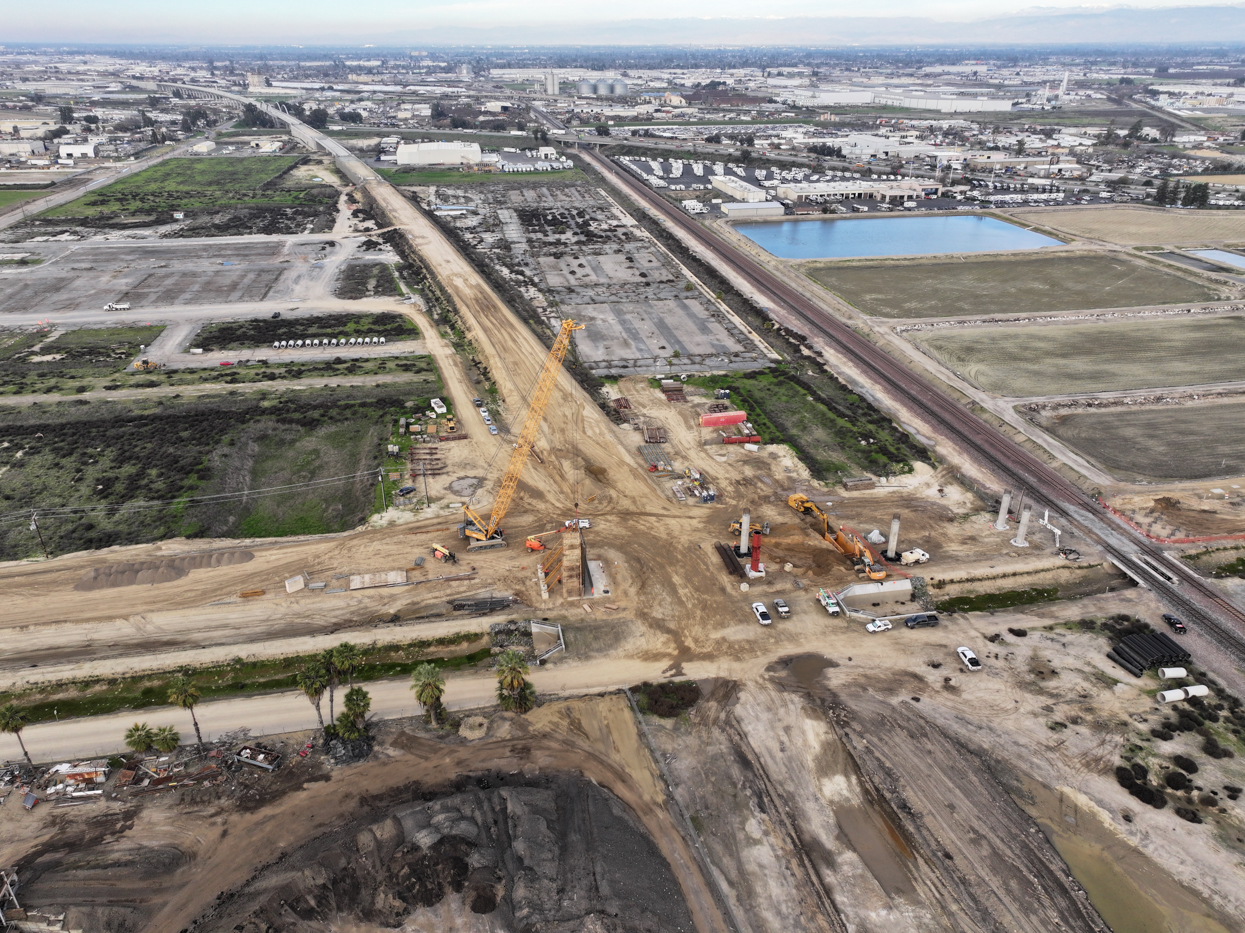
[(1222, 256), (842, 237)]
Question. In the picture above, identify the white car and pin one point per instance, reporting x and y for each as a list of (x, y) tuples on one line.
[(762, 614), (969, 659), (879, 625)]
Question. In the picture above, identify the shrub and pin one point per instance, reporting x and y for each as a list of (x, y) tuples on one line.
[(1185, 764), (1186, 814), (1018, 632), (1176, 780), (1208, 800), (1163, 734), (1142, 793), (1140, 771), (1158, 800)]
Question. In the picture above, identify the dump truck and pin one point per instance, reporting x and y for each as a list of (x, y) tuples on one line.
[(117, 306)]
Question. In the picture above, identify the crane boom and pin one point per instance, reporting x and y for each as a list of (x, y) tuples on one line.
[(476, 526)]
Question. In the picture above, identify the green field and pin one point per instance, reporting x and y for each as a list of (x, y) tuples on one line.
[(16, 197), (455, 177), (834, 435), (261, 332), (199, 183), (30, 366), (1023, 285), (366, 280), (1071, 359), (1189, 442), (88, 466)]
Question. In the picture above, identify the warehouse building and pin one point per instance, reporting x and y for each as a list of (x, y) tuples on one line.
[(751, 211), (944, 103), (439, 153), (78, 150), (890, 191), (737, 188)]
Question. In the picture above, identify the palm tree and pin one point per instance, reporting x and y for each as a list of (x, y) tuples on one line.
[(514, 693), (332, 676), (347, 658), (352, 723), (429, 687), (313, 680), (140, 737), (183, 693), (13, 719), (165, 739)]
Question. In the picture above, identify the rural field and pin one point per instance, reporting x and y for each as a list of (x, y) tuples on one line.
[(1021, 285), (259, 332), (187, 184), (1072, 359), (33, 362), (1188, 442), (1143, 226), (89, 466)]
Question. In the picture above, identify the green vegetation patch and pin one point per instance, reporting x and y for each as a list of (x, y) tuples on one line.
[(258, 333), (833, 434), (1007, 599), (16, 197), (1029, 284), (99, 697), (203, 183), (103, 473), (454, 177), (366, 280), (1068, 359), (31, 363), (666, 699)]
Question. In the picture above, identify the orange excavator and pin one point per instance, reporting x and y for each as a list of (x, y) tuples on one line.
[(847, 541)]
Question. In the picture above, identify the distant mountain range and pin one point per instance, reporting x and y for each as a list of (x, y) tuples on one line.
[(1193, 25)]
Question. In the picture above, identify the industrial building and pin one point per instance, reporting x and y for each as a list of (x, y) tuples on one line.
[(78, 150), (22, 147), (615, 87), (737, 188), (439, 153), (746, 211), (943, 103), (819, 191)]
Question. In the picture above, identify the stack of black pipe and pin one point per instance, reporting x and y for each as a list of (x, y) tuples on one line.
[(1137, 653)]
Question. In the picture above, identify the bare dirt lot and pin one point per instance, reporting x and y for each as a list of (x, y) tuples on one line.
[(1188, 441), (1021, 285), (1141, 226), (1075, 358)]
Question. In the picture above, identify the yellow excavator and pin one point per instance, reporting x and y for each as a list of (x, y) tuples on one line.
[(486, 533), (846, 540)]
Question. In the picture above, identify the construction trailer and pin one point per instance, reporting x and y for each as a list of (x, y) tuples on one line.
[(487, 533)]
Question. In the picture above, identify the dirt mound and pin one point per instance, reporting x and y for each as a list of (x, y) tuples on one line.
[(561, 857), (157, 571)]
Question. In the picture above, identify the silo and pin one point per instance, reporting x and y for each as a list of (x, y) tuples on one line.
[(618, 88), (585, 89), (602, 88)]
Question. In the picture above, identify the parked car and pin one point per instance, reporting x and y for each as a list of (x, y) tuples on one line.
[(276, 315), (969, 659), (492, 429), (879, 625), (406, 490), (1174, 623), (921, 620), (782, 608), (762, 614)]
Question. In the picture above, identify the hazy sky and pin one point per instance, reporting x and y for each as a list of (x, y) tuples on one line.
[(280, 21)]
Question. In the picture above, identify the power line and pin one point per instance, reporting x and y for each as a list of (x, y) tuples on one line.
[(55, 511)]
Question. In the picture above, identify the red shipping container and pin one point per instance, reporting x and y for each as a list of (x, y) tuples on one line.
[(718, 419), (754, 439)]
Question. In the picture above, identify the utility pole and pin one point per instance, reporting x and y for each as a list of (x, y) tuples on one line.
[(34, 526), (380, 478)]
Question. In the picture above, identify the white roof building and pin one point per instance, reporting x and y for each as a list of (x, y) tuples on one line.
[(77, 151), (439, 153)]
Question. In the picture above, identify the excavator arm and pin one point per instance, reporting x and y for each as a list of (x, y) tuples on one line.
[(477, 528)]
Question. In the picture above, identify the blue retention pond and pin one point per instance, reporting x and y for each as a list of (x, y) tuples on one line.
[(843, 237), (1221, 256)]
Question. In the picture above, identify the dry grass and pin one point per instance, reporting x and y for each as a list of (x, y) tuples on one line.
[(1144, 226), (1024, 284), (1189, 442), (1070, 359)]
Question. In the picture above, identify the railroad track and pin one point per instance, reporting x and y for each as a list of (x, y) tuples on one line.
[(1183, 590)]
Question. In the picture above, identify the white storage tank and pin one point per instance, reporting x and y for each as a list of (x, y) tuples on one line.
[(585, 89), (1171, 696), (618, 88), (1172, 673), (1197, 690), (602, 88)]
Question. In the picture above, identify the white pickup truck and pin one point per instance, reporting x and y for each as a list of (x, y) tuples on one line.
[(915, 556), (829, 602)]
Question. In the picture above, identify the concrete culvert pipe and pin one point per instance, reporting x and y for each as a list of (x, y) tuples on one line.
[(352, 341), (1172, 673), (1171, 696), (1197, 690), (382, 341), (276, 344), (298, 344), (367, 341)]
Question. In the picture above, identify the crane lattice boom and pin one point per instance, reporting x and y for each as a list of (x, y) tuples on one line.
[(483, 531)]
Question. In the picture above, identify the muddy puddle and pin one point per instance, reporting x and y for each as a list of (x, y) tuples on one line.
[(1131, 891), (879, 846), (806, 668)]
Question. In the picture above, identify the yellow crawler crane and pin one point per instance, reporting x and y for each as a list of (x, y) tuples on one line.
[(487, 534)]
